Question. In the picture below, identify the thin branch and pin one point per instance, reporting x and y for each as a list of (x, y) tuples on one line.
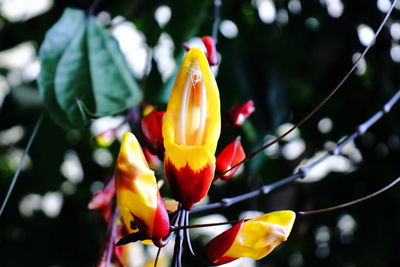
[(187, 234), (21, 162), (326, 99), (351, 202), (177, 256), (113, 232), (202, 225), (93, 7), (157, 256), (302, 172), (216, 20)]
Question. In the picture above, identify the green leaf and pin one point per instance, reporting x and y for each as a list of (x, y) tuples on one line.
[(73, 81), (114, 86), (83, 66), (55, 43)]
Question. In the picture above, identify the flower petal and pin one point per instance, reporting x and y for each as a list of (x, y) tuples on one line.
[(191, 129), (231, 155), (137, 192)]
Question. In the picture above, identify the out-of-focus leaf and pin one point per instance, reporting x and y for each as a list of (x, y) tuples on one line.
[(114, 86), (54, 45), (83, 66), (72, 81)]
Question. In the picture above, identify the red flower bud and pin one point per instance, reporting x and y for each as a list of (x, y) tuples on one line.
[(238, 114), (207, 45), (217, 247), (103, 198), (152, 131), (231, 155), (212, 56), (255, 238)]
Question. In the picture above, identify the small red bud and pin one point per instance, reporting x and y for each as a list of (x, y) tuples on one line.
[(231, 155), (212, 55), (239, 113), (103, 198), (152, 131), (207, 45)]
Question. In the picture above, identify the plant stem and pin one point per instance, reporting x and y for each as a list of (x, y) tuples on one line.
[(21, 162), (302, 172), (351, 202), (326, 99), (216, 20)]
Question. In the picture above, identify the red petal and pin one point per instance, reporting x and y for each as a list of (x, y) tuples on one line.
[(102, 198), (216, 248), (161, 222), (152, 131), (212, 56), (188, 186), (231, 155), (238, 114), (153, 161)]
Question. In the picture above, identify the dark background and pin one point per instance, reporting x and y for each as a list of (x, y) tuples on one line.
[(286, 70)]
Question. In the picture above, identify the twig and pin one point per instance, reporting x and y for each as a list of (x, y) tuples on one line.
[(21, 162), (302, 172), (202, 225), (177, 257), (187, 234), (351, 202), (93, 7), (157, 256), (113, 231), (216, 20), (322, 103)]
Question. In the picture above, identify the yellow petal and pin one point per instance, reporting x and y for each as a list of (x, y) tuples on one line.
[(259, 236), (192, 121), (136, 185)]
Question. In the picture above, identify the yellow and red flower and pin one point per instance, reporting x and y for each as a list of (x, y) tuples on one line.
[(191, 130), (254, 238), (231, 155), (138, 197)]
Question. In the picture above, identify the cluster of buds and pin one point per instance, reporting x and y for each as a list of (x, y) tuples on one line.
[(185, 137)]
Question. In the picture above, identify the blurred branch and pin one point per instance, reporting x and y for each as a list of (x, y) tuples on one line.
[(216, 20), (302, 172), (21, 163), (93, 7), (351, 202), (327, 98)]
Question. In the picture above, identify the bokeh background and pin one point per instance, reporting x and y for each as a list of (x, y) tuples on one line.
[(285, 56)]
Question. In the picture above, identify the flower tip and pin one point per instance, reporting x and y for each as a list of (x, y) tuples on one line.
[(206, 45), (255, 238)]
